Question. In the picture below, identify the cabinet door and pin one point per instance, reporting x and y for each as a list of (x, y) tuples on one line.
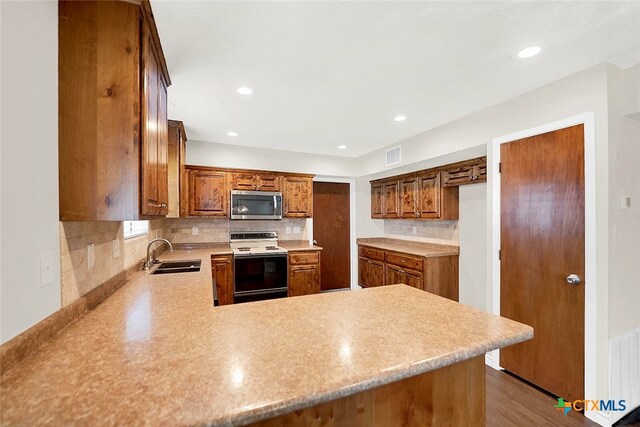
[(244, 181), (429, 195), (298, 197), (163, 147), (377, 205), (222, 273), (394, 275), (391, 202), (267, 182), (304, 280), (208, 194), (149, 203), (376, 273), (363, 272), (414, 279), (408, 197)]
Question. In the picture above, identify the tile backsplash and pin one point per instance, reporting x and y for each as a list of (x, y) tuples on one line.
[(442, 232), (180, 230), (112, 254)]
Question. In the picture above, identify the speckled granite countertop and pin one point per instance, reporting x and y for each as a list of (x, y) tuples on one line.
[(158, 352), (298, 245), (409, 246)]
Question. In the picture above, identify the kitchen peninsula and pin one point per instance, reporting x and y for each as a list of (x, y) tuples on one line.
[(157, 351)]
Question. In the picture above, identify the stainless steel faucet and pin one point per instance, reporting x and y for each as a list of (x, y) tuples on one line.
[(151, 256)]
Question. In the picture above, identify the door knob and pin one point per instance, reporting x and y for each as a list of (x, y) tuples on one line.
[(573, 279), (315, 242)]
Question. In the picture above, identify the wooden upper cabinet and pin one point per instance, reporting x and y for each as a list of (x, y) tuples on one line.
[(392, 199), (112, 97), (155, 183), (409, 197), (243, 181), (297, 196), (250, 181), (429, 196), (377, 201), (417, 195), (268, 182), (209, 194), (178, 183)]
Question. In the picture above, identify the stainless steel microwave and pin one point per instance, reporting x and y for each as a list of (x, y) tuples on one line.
[(256, 205)]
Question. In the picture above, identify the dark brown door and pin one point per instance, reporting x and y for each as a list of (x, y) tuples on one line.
[(542, 243), (331, 229), (429, 196), (377, 210), (208, 193), (391, 202)]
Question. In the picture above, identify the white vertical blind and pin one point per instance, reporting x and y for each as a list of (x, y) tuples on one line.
[(135, 228)]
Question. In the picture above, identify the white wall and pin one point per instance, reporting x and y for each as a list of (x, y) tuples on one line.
[(624, 236), (231, 156), (473, 231), (29, 163)]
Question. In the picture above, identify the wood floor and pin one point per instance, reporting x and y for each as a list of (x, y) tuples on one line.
[(513, 402)]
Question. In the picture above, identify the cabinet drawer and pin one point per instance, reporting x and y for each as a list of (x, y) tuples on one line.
[(402, 260), (371, 253), (304, 258)]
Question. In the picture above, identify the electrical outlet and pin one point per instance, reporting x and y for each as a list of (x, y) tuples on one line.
[(195, 231), (115, 249), (46, 269), (288, 229), (296, 229), (414, 229), (91, 259)]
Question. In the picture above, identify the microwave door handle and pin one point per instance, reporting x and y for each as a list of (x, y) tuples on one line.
[(275, 204)]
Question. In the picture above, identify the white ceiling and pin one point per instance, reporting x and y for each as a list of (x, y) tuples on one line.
[(332, 73)]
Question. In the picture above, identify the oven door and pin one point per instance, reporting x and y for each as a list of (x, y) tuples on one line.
[(258, 277), (256, 205)]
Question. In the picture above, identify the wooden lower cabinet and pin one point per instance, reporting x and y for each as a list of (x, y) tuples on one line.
[(304, 273), (370, 272), (438, 275), (222, 274)]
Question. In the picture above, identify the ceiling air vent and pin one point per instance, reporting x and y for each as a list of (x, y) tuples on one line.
[(392, 156)]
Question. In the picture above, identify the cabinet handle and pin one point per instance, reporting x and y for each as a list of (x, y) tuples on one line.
[(153, 203)]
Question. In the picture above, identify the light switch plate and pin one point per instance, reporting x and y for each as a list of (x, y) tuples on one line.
[(91, 259), (195, 231), (288, 229), (46, 269), (296, 229), (414, 229), (625, 202), (115, 250)]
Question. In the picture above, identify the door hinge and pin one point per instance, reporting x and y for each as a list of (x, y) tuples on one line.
[(500, 167), (499, 254)]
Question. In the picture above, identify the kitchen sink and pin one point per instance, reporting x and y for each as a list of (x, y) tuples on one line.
[(169, 267)]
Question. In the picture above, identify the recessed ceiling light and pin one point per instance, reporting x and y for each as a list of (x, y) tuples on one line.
[(232, 133), (245, 90), (342, 147), (529, 52), (400, 118)]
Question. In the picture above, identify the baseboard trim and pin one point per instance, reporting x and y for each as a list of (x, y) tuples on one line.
[(598, 417), (22, 345)]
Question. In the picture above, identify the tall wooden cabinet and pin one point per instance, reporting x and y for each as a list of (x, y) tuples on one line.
[(112, 104), (178, 180)]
